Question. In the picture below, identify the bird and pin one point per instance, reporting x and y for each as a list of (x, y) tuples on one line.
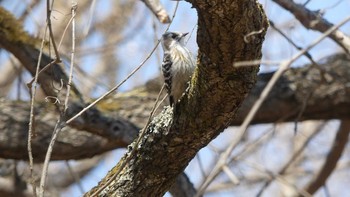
[(177, 66)]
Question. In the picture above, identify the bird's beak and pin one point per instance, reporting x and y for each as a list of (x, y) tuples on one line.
[(184, 34)]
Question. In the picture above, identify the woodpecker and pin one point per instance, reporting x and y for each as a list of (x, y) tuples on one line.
[(178, 65)]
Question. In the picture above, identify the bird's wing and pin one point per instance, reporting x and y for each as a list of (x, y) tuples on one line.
[(166, 69)]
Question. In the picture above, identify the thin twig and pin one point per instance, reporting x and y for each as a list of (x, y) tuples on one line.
[(114, 88), (48, 18), (73, 9), (58, 127), (249, 148), (55, 61), (64, 32), (307, 54), (253, 145), (60, 123), (283, 67), (191, 33), (31, 130), (302, 110), (43, 69)]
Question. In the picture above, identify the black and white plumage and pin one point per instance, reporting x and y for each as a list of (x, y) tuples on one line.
[(178, 65)]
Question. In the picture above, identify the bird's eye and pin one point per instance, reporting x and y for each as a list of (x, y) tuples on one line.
[(173, 36)]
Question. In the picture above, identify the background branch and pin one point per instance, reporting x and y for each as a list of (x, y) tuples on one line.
[(314, 20), (338, 146)]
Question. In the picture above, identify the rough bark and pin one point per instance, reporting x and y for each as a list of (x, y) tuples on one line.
[(171, 141)]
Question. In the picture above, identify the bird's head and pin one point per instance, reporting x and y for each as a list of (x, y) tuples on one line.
[(171, 39)]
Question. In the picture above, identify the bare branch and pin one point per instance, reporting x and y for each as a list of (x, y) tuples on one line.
[(158, 10), (339, 144), (312, 20)]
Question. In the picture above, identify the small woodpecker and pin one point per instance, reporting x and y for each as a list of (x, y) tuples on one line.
[(178, 65)]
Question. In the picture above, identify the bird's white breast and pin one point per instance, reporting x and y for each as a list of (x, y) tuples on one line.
[(182, 69)]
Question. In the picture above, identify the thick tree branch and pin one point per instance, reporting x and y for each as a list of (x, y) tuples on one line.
[(304, 94), (170, 143)]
